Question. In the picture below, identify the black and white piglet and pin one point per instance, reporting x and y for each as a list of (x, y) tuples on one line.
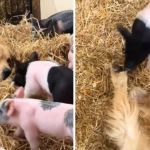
[(45, 78), (61, 22), (137, 42)]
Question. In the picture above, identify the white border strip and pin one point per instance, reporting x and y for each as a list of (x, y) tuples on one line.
[(74, 74)]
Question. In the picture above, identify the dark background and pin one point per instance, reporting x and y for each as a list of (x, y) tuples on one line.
[(10, 8)]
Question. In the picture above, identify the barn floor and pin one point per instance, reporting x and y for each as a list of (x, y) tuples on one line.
[(20, 40), (98, 44)]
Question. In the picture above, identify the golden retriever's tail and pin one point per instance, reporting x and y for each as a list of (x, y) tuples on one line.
[(123, 126)]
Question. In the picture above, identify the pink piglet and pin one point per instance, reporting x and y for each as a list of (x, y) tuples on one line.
[(32, 117)]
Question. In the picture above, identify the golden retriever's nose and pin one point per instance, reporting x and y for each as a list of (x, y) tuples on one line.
[(6, 73)]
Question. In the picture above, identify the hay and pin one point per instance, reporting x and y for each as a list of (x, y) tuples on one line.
[(22, 45), (98, 44)]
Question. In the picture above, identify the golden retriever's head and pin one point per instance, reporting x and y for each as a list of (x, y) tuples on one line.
[(5, 62)]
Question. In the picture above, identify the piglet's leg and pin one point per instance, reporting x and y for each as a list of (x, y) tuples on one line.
[(49, 97), (19, 133), (19, 93), (70, 66), (31, 135), (28, 92), (31, 89)]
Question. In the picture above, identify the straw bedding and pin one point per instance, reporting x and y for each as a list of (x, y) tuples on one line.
[(22, 45), (98, 44)]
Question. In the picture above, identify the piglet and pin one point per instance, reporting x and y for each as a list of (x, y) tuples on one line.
[(45, 78), (70, 54), (137, 42), (61, 22), (32, 117)]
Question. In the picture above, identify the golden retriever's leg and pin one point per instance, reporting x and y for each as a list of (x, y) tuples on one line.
[(123, 122)]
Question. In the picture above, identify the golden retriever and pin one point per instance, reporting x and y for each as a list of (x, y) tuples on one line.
[(142, 98), (123, 124), (5, 59)]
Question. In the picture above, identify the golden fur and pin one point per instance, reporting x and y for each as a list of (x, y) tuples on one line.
[(124, 128), (4, 56), (142, 97)]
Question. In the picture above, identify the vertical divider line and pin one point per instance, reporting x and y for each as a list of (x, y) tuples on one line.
[(74, 73)]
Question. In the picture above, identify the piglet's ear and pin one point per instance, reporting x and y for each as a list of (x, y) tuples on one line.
[(34, 56), (124, 32), (17, 62), (18, 65), (9, 105)]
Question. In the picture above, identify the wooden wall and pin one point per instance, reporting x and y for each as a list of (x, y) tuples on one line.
[(50, 7), (39, 8), (36, 9)]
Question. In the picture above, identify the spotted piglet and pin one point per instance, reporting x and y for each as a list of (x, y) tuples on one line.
[(30, 118), (45, 78)]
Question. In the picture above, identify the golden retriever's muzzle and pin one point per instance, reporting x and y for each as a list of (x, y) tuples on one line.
[(5, 59)]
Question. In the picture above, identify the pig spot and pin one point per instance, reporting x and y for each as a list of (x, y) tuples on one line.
[(68, 119), (47, 105), (60, 26)]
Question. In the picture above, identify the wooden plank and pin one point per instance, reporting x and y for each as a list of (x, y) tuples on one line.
[(36, 9)]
